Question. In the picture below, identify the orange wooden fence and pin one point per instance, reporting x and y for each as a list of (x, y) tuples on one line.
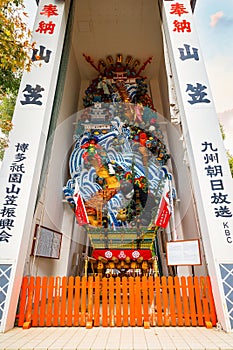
[(140, 301)]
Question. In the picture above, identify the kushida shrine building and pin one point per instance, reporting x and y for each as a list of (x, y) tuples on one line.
[(116, 169)]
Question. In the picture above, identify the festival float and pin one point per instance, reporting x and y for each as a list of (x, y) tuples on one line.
[(120, 189)]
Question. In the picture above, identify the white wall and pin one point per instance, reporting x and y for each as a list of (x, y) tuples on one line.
[(52, 211)]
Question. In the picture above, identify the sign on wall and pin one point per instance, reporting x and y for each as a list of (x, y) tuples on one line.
[(183, 252), (46, 243)]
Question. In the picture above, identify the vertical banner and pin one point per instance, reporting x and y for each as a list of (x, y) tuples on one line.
[(164, 212), (80, 210), (208, 162), (20, 172)]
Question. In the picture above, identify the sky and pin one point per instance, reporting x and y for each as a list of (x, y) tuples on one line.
[(214, 24)]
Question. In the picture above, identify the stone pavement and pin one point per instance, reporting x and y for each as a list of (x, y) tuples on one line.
[(125, 338)]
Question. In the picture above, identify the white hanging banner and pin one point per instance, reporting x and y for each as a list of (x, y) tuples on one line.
[(211, 177), (21, 168)]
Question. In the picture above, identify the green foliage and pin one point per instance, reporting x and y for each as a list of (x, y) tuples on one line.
[(222, 131), (14, 44), (14, 58), (6, 112), (229, 156), (230, 160), (9, 81)]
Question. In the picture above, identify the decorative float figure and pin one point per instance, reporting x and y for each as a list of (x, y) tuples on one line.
[(118, 162)]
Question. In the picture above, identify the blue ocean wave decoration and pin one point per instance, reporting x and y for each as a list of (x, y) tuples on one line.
[(111, 160)]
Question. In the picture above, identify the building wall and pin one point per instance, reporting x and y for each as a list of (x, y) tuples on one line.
[(53, 212)]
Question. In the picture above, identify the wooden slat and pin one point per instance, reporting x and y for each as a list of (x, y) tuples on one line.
[(77, 301), (172, 301), (125, 301), (111, 302), (191, 298), (36, 302), (158, 301), (89, 323), (185, 301), (118, 302), (166, 301), (43, 301), (145, 300), (211, 302), (104, 303), (206, 310), (178, 301), (63, 301), (152, 301), (70, 301), (97, 302), (48, 316), (23, 296), (204, 299), (83, 302), (28, 316), (166, 320), (132, 302), (56, 301), (138, 302), (198, 301)]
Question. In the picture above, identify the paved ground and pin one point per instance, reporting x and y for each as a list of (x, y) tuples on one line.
[(128, 338)]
